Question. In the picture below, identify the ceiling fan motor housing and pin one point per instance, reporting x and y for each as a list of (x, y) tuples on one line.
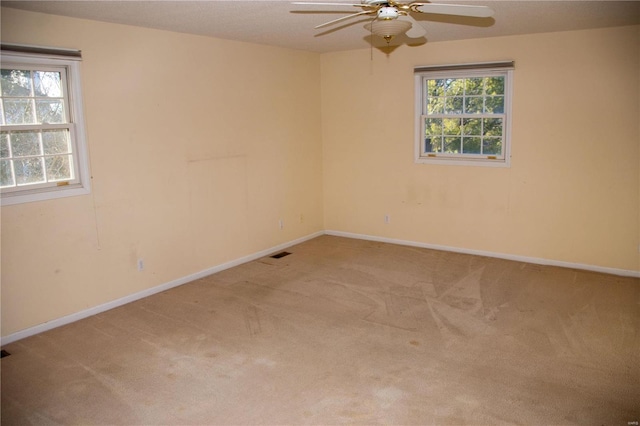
[(387, 12)]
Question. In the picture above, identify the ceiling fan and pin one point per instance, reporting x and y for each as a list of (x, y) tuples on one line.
[(391, 17)]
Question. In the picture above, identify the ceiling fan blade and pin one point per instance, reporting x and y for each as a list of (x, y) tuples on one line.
[(343, 18), (416, 30), (310, 3), (453, 9)]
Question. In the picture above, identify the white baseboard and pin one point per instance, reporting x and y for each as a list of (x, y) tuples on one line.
[(150, 291), (183, 280), (536, 260)]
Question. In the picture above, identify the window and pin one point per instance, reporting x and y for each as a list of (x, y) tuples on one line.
[(463, 114), (42, 142)]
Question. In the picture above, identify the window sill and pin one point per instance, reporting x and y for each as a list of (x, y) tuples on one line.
[(12, 198), (482, 162)]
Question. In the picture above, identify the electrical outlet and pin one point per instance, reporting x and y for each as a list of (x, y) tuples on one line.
[(281, 224), (301, 218), (140, 265), (387, 219)]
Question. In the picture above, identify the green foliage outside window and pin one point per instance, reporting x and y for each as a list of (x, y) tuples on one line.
[(465, 115)]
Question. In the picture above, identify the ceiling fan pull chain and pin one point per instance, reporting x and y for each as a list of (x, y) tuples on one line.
[(371, 35)]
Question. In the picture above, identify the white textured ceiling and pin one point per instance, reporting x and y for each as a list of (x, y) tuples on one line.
[(279, 23)]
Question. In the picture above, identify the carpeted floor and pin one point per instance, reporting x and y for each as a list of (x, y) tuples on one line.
[(346, 331)]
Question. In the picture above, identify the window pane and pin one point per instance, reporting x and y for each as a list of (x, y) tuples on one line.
[(433, 126), (454, 105), (56, 142), (471, 145), (492, 127), (47, 83), (435, 87), (474, 86), (18, 111), (473, 105), (25, 143), (433, 144), (29, 170), (472, 126), (4, 145), (492, 146), (451, 126), (50, 111), (1, 113), (58, 167), (452, 145), (6, 178), (495, 86), (16, 82), (494, 104), (435, 106), (454, 86)]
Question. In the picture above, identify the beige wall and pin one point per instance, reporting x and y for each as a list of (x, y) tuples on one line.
[(571, 193), (198, 147)]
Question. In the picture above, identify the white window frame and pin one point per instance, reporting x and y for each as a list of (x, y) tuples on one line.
[(53, 59), (422, 74)]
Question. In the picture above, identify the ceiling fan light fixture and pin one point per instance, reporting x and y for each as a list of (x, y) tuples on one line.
[(388, 28)]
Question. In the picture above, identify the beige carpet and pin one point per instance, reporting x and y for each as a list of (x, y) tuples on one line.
[(346, 331)]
